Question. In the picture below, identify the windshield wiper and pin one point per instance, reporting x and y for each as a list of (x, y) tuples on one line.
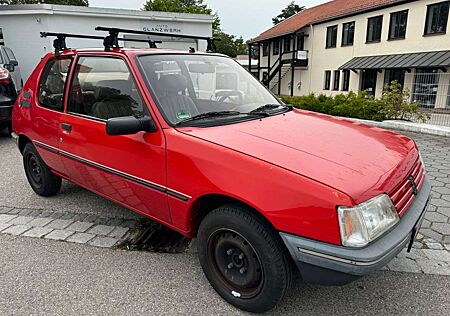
[(267, 107), (208, 115)]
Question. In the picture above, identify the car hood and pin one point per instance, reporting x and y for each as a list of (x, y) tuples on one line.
[(357, 159)]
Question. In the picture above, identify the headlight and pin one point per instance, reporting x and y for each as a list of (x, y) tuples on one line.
[(365, 222)]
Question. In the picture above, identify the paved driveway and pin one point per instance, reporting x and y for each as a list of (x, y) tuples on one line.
[(39, 277)]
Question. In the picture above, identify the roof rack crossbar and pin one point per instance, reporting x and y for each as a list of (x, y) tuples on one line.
[(60, 42), (211, 48)]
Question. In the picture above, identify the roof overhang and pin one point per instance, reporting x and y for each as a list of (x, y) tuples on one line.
[(437, 59)]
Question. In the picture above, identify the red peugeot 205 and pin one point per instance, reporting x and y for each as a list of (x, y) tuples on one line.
[(194, 141)]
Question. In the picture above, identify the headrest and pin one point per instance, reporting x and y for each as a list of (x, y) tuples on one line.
[(172, 83), (107, 88), (105, 92)]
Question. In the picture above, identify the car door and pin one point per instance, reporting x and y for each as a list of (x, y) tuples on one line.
[(130, 170), (45, 108)]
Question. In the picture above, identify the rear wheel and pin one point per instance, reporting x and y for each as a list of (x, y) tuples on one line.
[(244, 259), (41, 179)]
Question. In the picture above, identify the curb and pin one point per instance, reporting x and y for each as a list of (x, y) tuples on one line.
[(407, 126)]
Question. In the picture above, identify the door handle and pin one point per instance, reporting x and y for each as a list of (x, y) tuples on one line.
[(66, 127)]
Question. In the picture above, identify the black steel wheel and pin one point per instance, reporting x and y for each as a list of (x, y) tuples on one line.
[(41, 179), (235, 263), (244, 259)]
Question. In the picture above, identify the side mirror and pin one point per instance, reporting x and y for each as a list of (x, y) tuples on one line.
[(9, 67), (14, 63), (129, 125)]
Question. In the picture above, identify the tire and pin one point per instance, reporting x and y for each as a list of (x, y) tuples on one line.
[(258, 270), (41, 179), (9, 129)]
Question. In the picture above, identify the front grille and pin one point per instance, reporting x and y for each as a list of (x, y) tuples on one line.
[(403, 195)]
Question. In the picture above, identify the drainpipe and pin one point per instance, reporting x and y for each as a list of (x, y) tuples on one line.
[(310, 56), (294, 50)]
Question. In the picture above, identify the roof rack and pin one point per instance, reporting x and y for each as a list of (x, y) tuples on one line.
[(112, 39), (114, 33), (59, 44)]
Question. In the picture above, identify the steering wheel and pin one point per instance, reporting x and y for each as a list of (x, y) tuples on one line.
[(223, 95)]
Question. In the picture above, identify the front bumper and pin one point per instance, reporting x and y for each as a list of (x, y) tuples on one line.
[(327, 264)]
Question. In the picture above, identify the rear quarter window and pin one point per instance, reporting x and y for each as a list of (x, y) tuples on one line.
[(52, 83)]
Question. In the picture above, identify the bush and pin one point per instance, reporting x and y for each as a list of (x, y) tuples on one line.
[(353, 105), (394, 104)]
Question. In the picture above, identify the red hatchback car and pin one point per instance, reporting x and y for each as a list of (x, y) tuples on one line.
[(194, 141)]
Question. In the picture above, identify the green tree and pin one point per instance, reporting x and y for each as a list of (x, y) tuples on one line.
[(183, 6), (230, 45), (291, 9), (82, 3)]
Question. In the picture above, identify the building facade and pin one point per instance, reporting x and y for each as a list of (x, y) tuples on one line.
[(20, 27), (343, 46)]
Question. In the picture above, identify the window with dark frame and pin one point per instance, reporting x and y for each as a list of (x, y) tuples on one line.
[(346, 80), (327, 80), (276, 47), (300, 42), (374, 28), (437, 18), (398, 24), (287, 45), (265, 49), (332, 36), (394, 75), (337, 80), (348, 34)]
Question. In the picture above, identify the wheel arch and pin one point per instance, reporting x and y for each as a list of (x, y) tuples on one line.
[(208, 203), (23, 140)]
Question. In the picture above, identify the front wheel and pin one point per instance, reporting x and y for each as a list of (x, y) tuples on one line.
[(40, 177), (244, 259)]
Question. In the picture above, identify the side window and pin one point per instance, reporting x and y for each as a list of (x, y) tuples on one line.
[(9, 54), (52, 83), (103, 88)]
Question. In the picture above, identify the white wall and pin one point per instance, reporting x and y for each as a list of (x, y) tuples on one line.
[(22, 33)]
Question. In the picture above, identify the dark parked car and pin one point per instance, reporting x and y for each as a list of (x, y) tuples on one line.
[(9, 61), (8, 96)]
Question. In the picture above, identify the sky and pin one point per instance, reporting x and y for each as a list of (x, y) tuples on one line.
[(246, 18)]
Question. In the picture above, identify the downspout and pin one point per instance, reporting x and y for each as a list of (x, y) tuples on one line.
[(310, 56)]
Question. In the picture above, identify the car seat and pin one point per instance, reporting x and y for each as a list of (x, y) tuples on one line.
[(113, 99), (176, 106)]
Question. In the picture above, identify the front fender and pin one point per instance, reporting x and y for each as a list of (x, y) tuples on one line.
[(290, 202)]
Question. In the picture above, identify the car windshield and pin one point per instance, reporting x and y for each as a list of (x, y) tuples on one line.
[(187, 87)]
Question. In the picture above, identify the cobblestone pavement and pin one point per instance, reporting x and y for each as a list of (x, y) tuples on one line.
[(62, 226)]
